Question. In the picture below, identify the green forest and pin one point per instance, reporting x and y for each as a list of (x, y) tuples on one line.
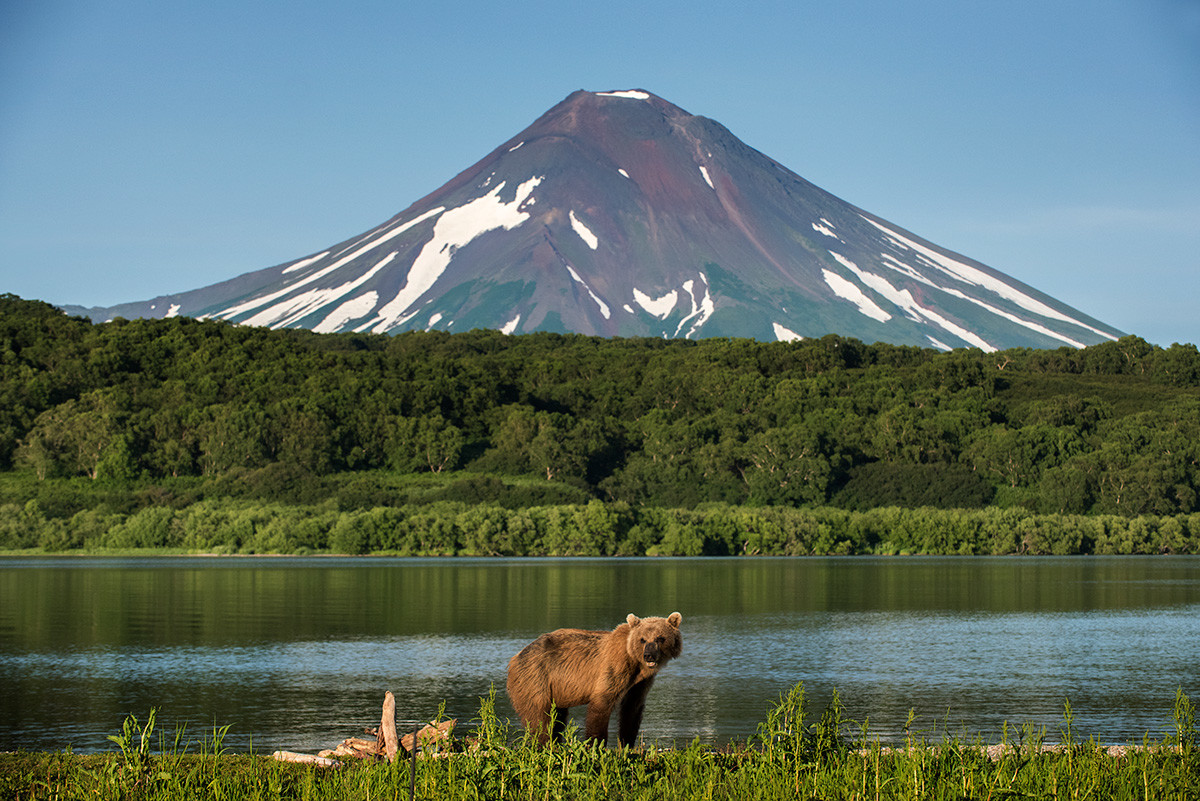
[(204, 436)]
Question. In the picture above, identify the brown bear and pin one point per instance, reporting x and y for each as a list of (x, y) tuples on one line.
[(571, 667)]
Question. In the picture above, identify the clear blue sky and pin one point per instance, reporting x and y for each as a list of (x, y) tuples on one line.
[(155, 146)]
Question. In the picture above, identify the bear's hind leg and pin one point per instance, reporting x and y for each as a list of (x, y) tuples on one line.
[(539, 723), (558, 724), (547, 726)]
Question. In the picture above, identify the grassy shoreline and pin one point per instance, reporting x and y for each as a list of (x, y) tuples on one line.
[(794, 755)]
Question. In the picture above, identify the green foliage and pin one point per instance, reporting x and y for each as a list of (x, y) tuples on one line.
[(284, 510), (151, 527), (135, 751), (284, 416), (426, 443), (875, 484)]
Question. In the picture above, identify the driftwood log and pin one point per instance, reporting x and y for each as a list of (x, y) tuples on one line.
[(387, 728), (430, 735), (305, 759), (386, 745)]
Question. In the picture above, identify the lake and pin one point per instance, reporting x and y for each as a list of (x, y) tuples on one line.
[(296, 653)]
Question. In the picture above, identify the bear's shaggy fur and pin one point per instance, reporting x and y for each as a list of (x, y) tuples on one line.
[(571, 667)]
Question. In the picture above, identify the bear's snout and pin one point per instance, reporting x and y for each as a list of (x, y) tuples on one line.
[(651, 653)]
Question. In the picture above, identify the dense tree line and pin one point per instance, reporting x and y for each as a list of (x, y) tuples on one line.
[(1112, 429), (456, 528)]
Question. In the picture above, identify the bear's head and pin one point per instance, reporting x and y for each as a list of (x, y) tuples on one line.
[(654, 641)]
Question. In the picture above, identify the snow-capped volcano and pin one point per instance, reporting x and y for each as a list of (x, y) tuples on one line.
[(618, 213)]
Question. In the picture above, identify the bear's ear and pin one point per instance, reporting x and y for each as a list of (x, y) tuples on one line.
[(632, 619), (675, 619)]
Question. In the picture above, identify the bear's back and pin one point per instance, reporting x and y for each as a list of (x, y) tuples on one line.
[(565, 646)]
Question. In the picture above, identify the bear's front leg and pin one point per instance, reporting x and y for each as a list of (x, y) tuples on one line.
[(596, 727), (632, 707)]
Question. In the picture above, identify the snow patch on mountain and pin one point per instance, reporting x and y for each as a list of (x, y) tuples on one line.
[(969, 337), (349, 311), (937, 344), (623, 172), (454, 229), (511, 325), (707, 180), (603, 306), (783, 334), (631, 94), (584, 232), (702, 307), (903, 299), (660, 307), (824, 228), (300, 265), (848, 290), (893, 263), (295, 308)]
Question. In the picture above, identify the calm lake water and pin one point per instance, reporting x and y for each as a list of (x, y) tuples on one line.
[(297, 653)]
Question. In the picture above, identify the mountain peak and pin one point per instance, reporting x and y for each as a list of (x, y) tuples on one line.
[(618, 213)]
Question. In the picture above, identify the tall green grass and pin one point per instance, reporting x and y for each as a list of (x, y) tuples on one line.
[(794, 755)]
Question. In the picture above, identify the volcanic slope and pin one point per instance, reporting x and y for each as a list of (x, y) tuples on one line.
[(619, 214)]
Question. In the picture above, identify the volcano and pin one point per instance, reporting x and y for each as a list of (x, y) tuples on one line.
[(619, 214)]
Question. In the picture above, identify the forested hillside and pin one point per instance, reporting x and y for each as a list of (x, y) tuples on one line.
[(1112, 429)]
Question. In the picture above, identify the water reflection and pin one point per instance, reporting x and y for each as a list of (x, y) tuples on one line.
[(297, 653)]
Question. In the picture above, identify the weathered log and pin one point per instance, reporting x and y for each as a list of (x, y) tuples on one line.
[(429, 735), (305, 759), (358, 748), (359, 744), (387, 727)]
